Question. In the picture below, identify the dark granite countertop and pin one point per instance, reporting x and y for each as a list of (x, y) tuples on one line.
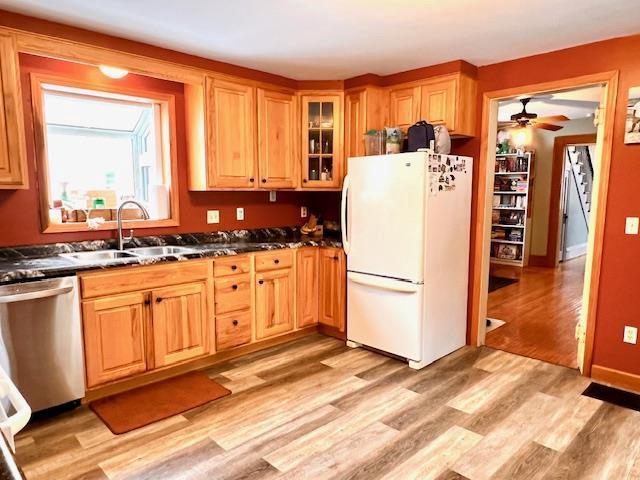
[(35, 262)]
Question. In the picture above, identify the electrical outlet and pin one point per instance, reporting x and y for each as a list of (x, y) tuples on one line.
[(213, 216), (303, 212), (630, 335), (239, 213), (272, 196), (631, 226)]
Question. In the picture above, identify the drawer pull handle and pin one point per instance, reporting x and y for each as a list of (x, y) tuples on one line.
[(276, 261), (235, 287), (235, 323), (159, 299), (260, 282), (252, 180), (234, 267), (264, 180), (147, 302)]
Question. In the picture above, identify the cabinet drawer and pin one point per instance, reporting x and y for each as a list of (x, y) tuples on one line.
[(134, 278), (233, 329), (232, 293), (231, 265), (274, 260)]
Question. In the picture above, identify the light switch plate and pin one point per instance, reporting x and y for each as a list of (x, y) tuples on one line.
[(239, 213), (213, 216), (272, 196), (303, 212), (630, 335), (631, 226)]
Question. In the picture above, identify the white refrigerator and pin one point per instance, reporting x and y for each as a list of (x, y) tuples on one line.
[(405, 231)]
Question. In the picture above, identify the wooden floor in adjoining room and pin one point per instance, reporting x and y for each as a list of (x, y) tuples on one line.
[(541, 312), (314, 409)]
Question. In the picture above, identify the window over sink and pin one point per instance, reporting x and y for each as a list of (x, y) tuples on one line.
[(98, 148)]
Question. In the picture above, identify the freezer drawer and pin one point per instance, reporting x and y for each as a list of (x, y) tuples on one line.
[(385, 314)]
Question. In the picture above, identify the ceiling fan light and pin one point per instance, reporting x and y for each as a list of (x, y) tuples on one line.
[(113, 72)]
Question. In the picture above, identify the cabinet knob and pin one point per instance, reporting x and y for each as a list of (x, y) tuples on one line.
[(264, 180), (260, 282), (234, 267), (304, 180), (252, 180), (335, 258), (235, 323), (276, 261), (159, 299), (147, 302), (234, 287)]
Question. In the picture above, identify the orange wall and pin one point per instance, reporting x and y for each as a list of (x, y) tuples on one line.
[(619, 302), (19, 209)]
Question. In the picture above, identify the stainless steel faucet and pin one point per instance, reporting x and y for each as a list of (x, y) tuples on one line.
[(145, 215)]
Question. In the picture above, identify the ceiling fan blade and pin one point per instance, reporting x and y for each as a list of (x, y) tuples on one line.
[(553, 118), (547, 126), (507, 124)]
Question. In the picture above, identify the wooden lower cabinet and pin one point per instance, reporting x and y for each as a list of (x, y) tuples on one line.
[(332, 288), (179, 323), (307, 286), (274, 303), (233, 329), (114, 337)]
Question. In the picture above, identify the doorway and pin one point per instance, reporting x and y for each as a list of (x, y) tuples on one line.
[(534, 288)]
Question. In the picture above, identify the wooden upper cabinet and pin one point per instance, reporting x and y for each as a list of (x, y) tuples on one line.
[(404, 106), (322, 146), (274, 306), (332, 288), (179, 323), (307, 286), (437, 102), (277, 139), (114, 340), (448, 100), (13, 157), (364, 109), (231, 131)]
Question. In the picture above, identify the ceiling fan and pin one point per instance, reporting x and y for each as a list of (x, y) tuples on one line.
[(526, 119)]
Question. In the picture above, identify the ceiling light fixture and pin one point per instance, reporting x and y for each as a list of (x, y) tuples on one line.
[(113, 72)]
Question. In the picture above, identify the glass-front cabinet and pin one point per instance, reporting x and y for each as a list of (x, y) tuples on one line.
[(322, 151)]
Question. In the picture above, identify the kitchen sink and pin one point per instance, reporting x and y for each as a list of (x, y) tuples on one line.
[(98, 256), (160, 251)]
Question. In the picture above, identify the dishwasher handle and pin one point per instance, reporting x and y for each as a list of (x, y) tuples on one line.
[(34, 294)]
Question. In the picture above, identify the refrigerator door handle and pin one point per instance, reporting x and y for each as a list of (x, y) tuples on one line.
[(343, 214), (383, 283)]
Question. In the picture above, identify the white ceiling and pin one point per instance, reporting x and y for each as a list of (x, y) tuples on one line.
[(334, 39), (577, 103)]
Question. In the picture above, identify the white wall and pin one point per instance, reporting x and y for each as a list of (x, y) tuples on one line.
[(542, 142)]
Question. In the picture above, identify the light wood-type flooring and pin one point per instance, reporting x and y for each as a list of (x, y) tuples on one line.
[(315, 409), (541, 312)]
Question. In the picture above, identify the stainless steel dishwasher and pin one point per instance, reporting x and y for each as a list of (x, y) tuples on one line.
[(41, 340)]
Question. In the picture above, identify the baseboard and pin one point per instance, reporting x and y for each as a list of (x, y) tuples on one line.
[(616, 378), (576, 251)]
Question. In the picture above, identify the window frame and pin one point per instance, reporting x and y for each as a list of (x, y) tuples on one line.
[(168, 143)]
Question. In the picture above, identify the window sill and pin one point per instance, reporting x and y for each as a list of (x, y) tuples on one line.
[(110, 225)]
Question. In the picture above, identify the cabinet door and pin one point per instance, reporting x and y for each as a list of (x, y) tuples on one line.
[(332, 288), (404, 107), (13, 163), (355, 111), (438, 103), (231, 132), (114, 340), (322, 149), (274, 302), (179, 323), (276, 139), (307, 286)]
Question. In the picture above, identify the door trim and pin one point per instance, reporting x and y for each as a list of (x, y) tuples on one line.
[(479, 274), (553, 232)]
